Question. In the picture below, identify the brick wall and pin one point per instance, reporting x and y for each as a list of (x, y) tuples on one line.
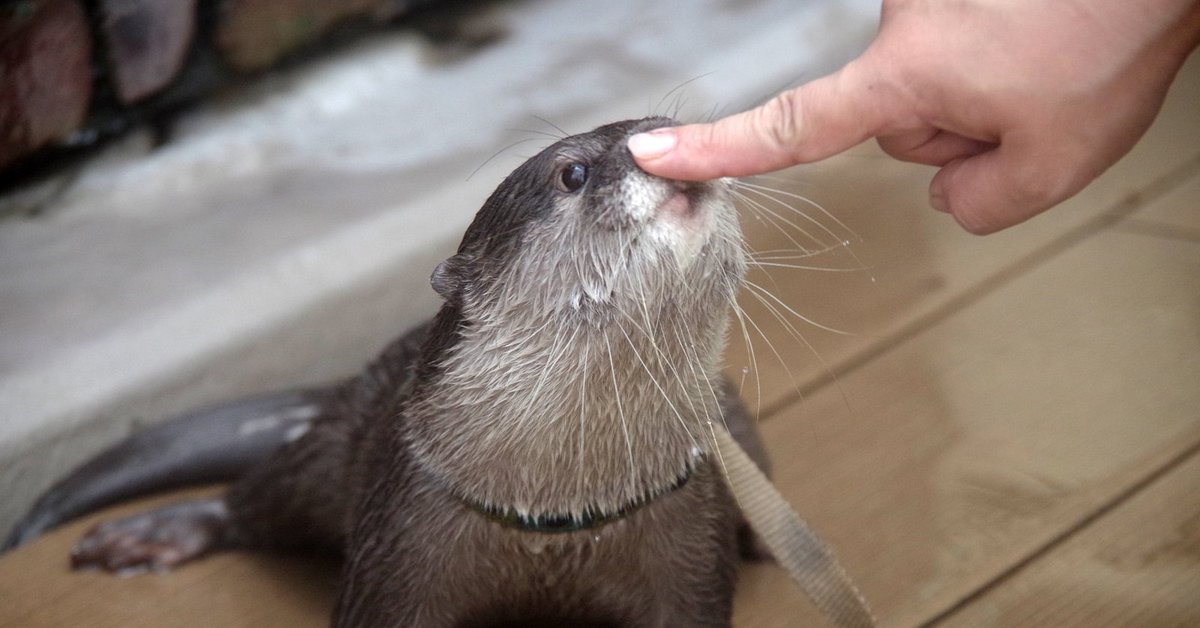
[(74, 72)]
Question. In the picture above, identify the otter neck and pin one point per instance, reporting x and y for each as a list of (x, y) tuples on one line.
[(569, 419)]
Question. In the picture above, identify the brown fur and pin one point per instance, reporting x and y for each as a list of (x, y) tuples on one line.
[(575, 393)]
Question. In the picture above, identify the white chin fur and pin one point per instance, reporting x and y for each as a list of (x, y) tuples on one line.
[(684, 236), (672, 221)]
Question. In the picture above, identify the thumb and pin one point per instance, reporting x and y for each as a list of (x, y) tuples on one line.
[(999, 188), (811, 122)]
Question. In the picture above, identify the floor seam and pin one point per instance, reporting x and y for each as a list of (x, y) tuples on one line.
[(1158, 229), (1120, 499)]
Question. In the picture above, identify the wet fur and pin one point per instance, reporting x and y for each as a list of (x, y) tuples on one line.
[(572, 368)]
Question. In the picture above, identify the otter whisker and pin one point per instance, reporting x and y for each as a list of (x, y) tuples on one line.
[(716, 446), (552, 125), (742, 317), (690, 360), (657, 386), (767, 191), (763, 214), (698, 374), (676, 89), (548, 134), (823, 269), (771, 345), (768, 177), (716, 404), (612, 369), (759, 290), (693, 362), (742, 382), (587, 345), (501, 151), (647, 331), (773, 218), (649, 328), (680, 102), (795, 334), (557, 351), (737, 242), (770, 277), (713, 113), (793, 253)]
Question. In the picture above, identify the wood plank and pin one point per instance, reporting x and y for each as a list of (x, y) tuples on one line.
[(1137, 566), (964, 450), (920, 260)]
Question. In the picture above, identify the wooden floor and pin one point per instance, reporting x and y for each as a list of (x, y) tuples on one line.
[(1008, 433)]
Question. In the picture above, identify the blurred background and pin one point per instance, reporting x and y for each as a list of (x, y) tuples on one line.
[(268, 210), (205, 199)]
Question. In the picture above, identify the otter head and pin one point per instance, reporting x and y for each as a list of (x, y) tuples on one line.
[(591, 301), (580, 231)]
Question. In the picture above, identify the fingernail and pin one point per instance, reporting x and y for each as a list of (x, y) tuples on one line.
[(653, 144), (938, 202)]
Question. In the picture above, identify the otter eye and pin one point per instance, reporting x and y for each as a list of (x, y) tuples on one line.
[(572, 176)]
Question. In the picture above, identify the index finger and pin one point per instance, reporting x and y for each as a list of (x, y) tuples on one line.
[(811, 122)]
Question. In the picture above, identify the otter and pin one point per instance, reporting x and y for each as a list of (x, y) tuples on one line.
[(542, 452)]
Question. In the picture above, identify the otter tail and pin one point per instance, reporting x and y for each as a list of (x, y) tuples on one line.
[(214, 444)]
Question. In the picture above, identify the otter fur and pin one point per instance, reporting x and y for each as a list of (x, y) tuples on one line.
[(539, 453)]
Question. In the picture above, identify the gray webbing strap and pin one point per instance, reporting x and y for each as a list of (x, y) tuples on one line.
[(797, 549)]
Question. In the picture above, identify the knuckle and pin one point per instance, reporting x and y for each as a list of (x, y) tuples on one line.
[(778, 120)]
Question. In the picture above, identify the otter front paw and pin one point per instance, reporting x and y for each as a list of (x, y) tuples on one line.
[(157, 540)]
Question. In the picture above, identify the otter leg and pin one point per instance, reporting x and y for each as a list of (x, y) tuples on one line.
[(299, 497), (156, 540), (303, 497)]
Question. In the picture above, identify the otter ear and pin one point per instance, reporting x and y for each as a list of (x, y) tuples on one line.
[(447, 278)]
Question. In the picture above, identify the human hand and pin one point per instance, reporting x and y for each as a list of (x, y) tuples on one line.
[(1020, 103)]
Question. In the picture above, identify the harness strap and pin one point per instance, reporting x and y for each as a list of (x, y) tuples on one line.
[(796, 547)]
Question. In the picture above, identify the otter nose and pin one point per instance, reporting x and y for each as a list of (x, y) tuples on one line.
[(647, 124)]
